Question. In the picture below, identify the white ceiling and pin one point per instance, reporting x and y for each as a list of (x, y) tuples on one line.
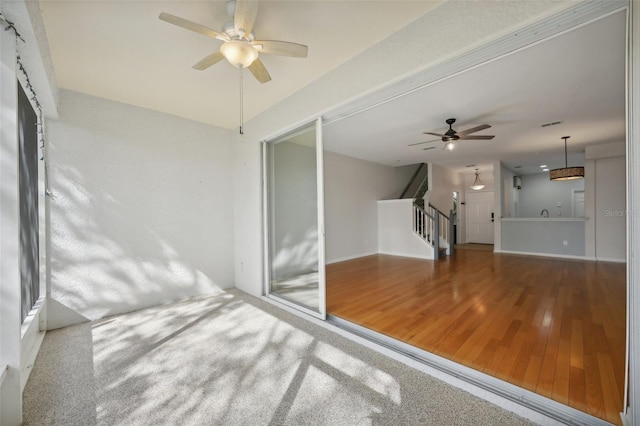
[(120, 50), (577, 78)]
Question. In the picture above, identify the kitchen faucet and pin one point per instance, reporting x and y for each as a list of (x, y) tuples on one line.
[(544, 213)]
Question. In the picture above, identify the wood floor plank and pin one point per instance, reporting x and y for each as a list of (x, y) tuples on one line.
[(553, 326)]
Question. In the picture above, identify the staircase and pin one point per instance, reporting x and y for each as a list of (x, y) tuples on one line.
[(418, 185), (430, 224)]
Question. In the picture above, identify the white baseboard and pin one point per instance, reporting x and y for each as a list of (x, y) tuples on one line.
[(615, 260), (560, 256), (344, 259), (405, 255)]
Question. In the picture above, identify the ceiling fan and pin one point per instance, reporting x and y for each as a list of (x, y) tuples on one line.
[(450, 136), (239, 45)]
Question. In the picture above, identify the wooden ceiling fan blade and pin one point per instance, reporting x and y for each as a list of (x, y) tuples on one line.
[(259, 71), (435, 134), (474, 129), (208, 61), (192, 26), (477, 137), (245, 16), (420, 143), (283, 48)]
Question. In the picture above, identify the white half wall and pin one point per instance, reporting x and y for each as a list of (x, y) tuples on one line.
[(352, 189), (142, 209), (563, 237)]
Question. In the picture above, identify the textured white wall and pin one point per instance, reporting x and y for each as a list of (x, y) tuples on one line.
[(352, 190), (142, 213)]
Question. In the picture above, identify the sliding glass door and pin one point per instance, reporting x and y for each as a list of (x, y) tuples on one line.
[(294, 219)]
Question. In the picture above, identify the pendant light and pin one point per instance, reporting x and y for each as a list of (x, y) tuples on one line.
[(566, 173), (477, 184)]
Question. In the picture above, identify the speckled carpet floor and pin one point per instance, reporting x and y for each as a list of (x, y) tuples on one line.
[(232, 359)]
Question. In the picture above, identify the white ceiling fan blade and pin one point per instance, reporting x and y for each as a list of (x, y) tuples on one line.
[(259, 71), (283, 48), (245, 16), (192, 26), (208, 61)]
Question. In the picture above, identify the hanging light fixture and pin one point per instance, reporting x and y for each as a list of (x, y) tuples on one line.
[(477, 184), (566, 173)]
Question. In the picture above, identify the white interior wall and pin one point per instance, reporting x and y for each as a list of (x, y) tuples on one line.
[(610, 209), (443, 182), (352, 190), (539, 193), (142, 209), (509, 194), (605, 202)]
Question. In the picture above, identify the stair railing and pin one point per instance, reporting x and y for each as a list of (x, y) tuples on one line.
[(426, 227)]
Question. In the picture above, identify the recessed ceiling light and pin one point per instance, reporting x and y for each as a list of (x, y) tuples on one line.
[(545, 170), (543, 166)]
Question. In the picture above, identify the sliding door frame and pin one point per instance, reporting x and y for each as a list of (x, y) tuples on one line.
[(268, 215)]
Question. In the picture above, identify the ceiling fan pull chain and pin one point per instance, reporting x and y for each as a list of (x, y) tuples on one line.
[(241, 103)]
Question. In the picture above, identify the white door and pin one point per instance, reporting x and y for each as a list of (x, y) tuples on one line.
[(479, 217)]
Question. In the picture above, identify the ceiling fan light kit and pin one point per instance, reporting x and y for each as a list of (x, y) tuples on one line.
[(451, 136), (566, 172), (239, 53), (239, 46)]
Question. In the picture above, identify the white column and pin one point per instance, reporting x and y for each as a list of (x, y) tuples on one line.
[(10, 389), (633, 217)]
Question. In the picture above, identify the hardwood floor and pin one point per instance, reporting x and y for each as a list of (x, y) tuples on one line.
[(552, 326)]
